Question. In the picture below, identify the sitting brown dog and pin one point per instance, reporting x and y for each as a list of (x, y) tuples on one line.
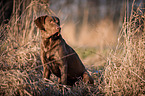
[(57, 57)]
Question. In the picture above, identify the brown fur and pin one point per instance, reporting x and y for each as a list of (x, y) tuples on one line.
[(57, 57)]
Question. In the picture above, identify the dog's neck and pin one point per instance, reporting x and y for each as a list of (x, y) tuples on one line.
[(50, 42), (54, 37)]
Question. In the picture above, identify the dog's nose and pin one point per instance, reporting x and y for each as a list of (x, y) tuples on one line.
[(58, 28)]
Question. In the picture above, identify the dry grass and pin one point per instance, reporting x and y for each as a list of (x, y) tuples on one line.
[(125, 73), (21, 68)]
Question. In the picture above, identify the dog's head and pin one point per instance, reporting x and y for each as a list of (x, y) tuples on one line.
[(49, 25)]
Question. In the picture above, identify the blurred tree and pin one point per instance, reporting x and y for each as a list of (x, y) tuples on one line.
[(11, 7), (5, 10)]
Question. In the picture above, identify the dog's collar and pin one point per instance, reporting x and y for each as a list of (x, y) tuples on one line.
[(56, 36)]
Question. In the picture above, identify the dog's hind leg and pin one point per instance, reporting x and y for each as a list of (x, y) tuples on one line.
[(87, 78)]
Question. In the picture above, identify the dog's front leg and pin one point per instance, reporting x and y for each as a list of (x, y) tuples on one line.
[(63, 69), (46, 70)]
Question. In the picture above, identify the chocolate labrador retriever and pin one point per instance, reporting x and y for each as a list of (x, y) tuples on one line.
[(57, 57)]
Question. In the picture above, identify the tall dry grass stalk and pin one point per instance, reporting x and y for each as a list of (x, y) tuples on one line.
[(125, 73)]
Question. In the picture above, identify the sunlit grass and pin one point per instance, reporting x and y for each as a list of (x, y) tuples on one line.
[(125, 72)]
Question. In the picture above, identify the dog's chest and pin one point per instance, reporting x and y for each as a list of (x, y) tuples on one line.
[(51, 51), (47, 45), (53, 58)]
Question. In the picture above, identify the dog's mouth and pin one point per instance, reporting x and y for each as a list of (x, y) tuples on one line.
[(53, 33)]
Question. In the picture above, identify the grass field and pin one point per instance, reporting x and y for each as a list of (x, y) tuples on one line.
[(118, 68)]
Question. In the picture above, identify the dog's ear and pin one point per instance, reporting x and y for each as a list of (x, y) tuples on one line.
[(40, 21), (58, 21)]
